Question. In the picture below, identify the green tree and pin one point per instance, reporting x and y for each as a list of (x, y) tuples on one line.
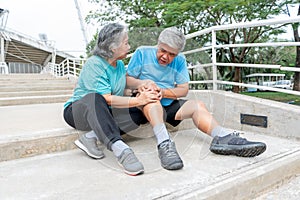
[(194, 15), (297, 39)]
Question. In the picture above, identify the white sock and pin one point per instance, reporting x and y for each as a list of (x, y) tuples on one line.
[(220, 131), (91, 134), (161, 133), (118, 147)]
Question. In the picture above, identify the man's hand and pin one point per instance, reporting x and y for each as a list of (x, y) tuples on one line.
[(150, 85)]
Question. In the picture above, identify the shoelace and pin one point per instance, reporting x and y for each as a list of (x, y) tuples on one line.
[(238, 139), (130, 158), (235, 133), (169, 149)]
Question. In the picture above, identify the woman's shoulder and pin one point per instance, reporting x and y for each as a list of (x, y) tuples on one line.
[(96, 60)]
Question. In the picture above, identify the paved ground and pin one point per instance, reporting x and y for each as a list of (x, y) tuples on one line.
[(73, 175)]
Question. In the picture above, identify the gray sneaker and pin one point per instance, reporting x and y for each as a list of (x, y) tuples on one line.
[(132, 166), (168, 155), (233, 144), (89, 146)]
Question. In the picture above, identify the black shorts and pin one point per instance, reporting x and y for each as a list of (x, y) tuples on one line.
[(132, 118), (171, 110)]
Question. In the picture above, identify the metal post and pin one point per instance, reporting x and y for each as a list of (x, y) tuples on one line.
[(1, 49), (74, 66), (214, 59), (68, 67)]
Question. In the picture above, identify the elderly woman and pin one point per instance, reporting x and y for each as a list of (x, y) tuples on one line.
[(98, 100)]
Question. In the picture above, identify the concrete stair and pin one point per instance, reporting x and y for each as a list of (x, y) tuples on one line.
[(38, 160), (21, 89)]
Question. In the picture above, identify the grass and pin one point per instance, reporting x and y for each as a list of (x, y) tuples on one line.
[(276, 96)]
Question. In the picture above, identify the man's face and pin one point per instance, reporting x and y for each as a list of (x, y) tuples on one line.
[(165, 54)]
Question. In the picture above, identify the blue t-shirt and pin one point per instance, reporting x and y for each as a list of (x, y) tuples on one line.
[(144, 65), (98, 76)]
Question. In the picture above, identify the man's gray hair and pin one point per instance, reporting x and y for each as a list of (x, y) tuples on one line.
[(172, 37), (109, 37)]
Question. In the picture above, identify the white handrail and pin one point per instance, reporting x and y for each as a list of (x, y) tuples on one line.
[(245, 25), (3, 68)]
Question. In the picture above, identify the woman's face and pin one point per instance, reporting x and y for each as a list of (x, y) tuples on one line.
[(122, 51)]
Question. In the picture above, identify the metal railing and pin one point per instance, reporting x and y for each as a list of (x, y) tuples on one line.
[(69, 67), (3, 68), (214, 46), (72, 67)]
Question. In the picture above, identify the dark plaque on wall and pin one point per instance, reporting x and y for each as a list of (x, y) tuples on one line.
[(254, 120)]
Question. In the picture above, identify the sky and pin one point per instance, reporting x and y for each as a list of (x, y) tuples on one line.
[(58, 19)]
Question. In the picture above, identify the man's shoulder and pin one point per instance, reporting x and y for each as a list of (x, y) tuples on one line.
[(146, 48), (180, 58)]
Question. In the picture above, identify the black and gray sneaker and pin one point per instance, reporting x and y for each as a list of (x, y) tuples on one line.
[(89, 146), (168, 155), (233, 144), (132, 166)]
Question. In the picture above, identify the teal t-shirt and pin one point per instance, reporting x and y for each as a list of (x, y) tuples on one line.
[(144, 65), (98, 76)]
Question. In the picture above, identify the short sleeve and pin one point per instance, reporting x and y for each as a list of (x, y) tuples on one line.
[(135, 64), (182, 75)]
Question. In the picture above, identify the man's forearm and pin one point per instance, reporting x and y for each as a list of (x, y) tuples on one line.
[(174, 93), (132, 82)]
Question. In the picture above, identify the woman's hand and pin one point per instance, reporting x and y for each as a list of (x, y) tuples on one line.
[(147, 96), (151, 85)]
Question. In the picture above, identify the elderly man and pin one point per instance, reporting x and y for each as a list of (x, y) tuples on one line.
[(163, 69)]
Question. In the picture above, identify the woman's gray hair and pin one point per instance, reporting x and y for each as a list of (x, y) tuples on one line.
[(172, 37), (109, 37)]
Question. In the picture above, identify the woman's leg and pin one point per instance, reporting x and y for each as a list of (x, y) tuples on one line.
[(92, 113)]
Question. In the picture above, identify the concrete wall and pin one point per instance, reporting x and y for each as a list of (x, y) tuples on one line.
[(282, 119)]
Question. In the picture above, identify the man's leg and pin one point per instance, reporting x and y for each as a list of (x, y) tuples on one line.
[(196, 110), (167, 152), (225, 141)]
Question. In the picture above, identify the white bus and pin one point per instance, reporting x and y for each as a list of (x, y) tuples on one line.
[(263, 79)]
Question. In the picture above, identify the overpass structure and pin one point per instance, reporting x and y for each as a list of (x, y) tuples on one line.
[(21, 52)]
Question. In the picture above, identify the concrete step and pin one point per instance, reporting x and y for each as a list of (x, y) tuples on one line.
[(30, 130), (28, 76), (20, 89), (34, 82), (289, 190), (35, 88), (73, 175), (36, 147), (35, 93), (23, 100)]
